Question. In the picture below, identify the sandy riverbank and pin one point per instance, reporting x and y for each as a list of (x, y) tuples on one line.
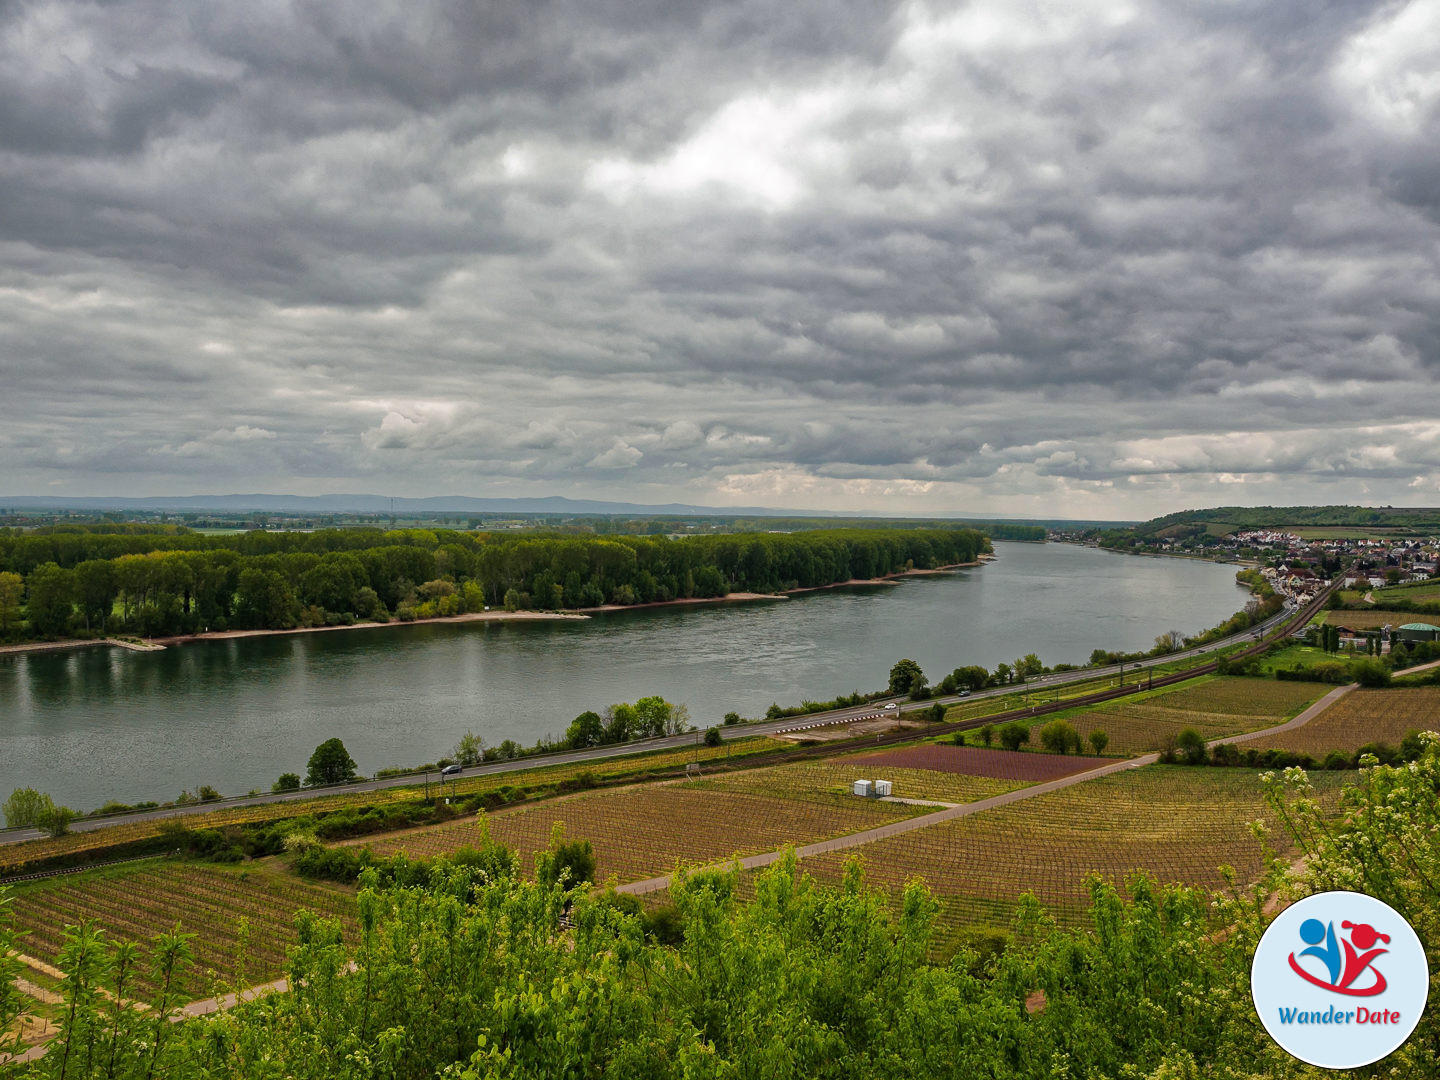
[(79, 643), (891, 579), (150, 644)]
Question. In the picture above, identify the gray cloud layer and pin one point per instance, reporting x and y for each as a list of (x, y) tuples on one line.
[(1062, 257)]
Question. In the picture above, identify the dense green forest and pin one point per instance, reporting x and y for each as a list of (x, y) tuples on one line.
[(466, 970), (162, 581)]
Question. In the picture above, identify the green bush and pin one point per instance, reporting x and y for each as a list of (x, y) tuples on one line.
[(1014, 735)]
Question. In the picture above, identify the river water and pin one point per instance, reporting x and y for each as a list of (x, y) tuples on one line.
[(100, 723)]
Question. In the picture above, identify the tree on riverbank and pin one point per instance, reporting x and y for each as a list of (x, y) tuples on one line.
[(12, 592), (27, 808), (331, 763), (906, 678)]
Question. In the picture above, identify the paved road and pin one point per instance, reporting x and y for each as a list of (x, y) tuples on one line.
[(602, 753)]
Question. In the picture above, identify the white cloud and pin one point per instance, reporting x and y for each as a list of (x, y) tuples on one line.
[(621, 455)]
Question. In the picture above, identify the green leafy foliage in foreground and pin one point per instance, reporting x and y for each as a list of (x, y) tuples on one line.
[(478, 974)]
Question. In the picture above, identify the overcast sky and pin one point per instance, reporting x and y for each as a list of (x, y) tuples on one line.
[(1079, 258)]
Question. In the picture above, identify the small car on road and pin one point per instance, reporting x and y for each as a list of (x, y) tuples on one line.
[(452, 770), (890, 705)]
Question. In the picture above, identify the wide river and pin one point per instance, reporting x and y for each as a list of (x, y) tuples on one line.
[(100, 723)]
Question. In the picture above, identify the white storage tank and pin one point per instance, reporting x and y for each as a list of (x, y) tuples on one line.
[(862, 787), (883, 788)]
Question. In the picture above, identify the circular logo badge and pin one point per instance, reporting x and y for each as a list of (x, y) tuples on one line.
[(1339, 980)]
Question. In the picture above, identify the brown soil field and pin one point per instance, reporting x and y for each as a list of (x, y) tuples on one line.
[(209, 901), (1180, 824), (1024, 766), (1361, 717), (644, 831)]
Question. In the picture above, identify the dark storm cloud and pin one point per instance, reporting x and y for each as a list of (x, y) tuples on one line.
[(1061, 258)]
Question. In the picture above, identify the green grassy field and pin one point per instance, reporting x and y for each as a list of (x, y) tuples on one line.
[(1419, 591), (1342, 533), (1293, 656)]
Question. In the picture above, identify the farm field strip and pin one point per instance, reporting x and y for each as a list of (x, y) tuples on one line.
[(1239, 696), (977, 764), (1418, 591), (1180, 824), (1374, 618), (1364, 716), (643, 831), (204, 900), (829, 781)]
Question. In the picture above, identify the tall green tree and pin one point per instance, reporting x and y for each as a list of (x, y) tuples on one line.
[(51, 602), (24, 807), (264, 599), (906, 677), (12, 594), (95, 592), (587, 729), (331, 763), (470, 750)]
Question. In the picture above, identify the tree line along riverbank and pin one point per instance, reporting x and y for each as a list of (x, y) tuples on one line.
[(89, 582)]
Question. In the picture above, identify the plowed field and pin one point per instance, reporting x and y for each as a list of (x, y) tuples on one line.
[(1361, 717), (644, 831), (1021, 766)]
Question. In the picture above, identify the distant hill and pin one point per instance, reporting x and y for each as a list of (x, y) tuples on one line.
[(1220, 520)]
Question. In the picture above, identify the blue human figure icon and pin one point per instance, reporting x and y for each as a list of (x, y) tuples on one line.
[(1312, 932)]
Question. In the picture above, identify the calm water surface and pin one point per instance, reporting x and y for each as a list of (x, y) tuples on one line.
[(101, 723)]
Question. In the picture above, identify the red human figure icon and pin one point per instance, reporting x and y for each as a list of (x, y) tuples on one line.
[(1363, 935)]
